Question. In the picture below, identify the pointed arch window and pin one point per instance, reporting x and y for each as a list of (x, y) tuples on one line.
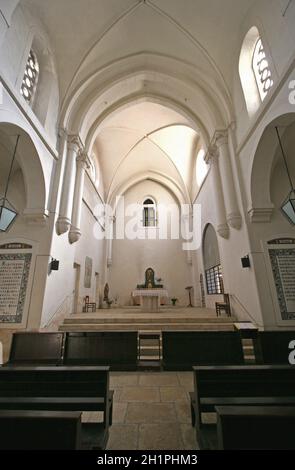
[(149, 213), (30, 79), (261, 69)]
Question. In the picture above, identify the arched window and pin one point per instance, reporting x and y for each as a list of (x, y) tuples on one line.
[(261, 70), (201, 167), (30, 79), (149, 213), (254, 70), (212, 265)]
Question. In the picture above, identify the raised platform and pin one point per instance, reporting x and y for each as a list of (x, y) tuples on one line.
[(131, 318)]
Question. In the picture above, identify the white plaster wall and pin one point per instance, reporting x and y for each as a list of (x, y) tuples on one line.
[(132, 257), (238, 282), (24, 29), (278, 35), (60, 285)]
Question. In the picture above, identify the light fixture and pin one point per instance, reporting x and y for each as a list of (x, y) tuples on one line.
[(54, 265), (245, 261), (7, 212), (288, 206)]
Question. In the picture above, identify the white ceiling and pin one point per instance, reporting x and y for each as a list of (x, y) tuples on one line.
[(86, 35), (83, 31), (145, 137)]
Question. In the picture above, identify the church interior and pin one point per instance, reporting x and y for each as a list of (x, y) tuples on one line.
[(147, 215)]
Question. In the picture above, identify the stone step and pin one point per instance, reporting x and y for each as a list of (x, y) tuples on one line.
[(147, 327), (144, 320), (151, 351)]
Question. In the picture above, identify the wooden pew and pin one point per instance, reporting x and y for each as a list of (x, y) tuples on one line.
[(184, 349), (272, 347), (40, 430), (240, 385), (118, 349), (36, 348), (59, 389), (253, 427)]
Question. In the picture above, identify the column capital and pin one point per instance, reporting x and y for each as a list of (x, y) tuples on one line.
[(212, 154), (62, 133), (75, 143), (220, 138), (83, 160)]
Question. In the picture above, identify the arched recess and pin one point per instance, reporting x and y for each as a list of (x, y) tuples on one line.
[(247, 77), (159, 178), (46, 100), (28, 160), (267, 154), (211, 261), (147, 74)]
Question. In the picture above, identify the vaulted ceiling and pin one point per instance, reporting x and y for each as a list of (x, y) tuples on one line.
[(90, 36), (84, 32)]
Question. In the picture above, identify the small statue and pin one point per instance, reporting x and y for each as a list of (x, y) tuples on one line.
[(106, 292)]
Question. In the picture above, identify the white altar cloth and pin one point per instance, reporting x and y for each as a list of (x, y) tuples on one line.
[(150, 299)]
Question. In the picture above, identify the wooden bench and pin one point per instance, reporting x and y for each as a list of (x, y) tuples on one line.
[(184, 349), (272, 347), (240, 385), (36, 348), (253, 427), (58, 389), (40, 430), (118, 349)]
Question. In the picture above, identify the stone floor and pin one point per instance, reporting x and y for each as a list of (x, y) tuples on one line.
[(151, 411)]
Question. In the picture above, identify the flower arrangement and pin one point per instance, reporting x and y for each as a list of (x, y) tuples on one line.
[(174, 300)]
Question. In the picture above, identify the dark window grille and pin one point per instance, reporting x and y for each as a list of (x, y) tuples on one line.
[(214, 280), (30, 79)]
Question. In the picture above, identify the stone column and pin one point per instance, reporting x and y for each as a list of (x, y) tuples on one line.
[(233, 215), (82, 162), (110, 235), (212, 158), (74, 146)]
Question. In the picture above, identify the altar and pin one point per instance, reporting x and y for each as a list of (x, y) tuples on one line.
[(150, 299), (150, 293)]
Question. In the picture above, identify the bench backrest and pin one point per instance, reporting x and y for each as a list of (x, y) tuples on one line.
[(272, 347), (117, 349), (54, 381), (187, 348), (245, 381), (40, 430), (39, 348), (253, 427)]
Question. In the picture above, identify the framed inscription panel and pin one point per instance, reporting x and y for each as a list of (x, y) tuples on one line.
[(14, 276), (281, 254), (17, 262)]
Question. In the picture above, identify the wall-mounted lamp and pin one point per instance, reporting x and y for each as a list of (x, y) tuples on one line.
[(288, 206), (54, 265), (246, 261)]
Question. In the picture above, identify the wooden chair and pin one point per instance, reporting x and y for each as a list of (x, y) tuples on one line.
[(223, 306)]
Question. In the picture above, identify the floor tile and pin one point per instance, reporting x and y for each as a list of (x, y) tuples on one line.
[(123, 437), (142, 394), (150, 413), (153, 380), (173, 394), (160, 437)]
